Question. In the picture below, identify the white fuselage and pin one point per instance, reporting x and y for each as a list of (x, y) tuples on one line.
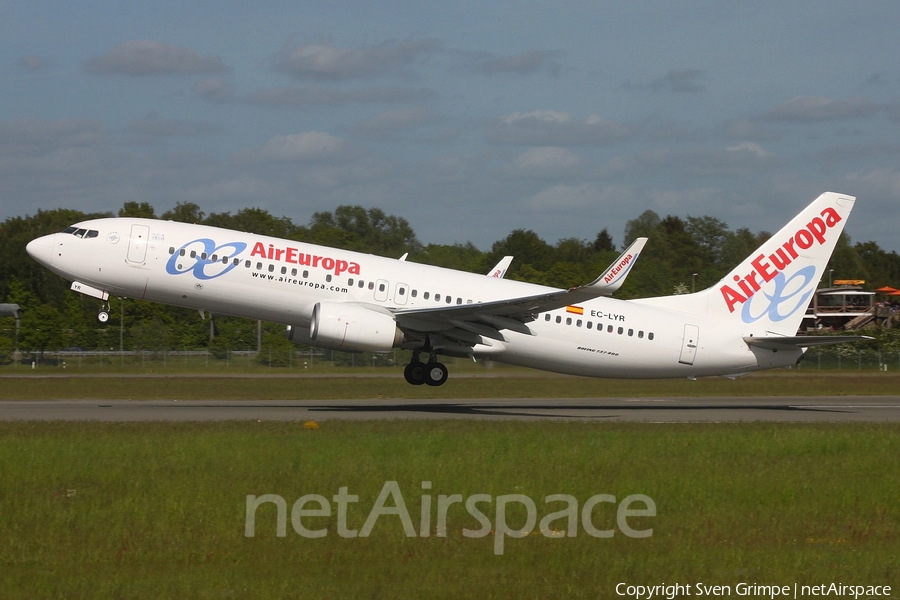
[(259, 277)]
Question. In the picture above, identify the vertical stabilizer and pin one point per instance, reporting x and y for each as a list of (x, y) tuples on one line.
[(768, 293), (772, 288)]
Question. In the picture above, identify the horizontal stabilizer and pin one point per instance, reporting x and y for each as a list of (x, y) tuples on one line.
[(802, 341)]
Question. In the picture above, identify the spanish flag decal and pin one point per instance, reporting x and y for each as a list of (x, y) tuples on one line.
[(575, 309)]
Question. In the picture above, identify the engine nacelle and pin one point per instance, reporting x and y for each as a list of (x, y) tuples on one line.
[(352, 327)]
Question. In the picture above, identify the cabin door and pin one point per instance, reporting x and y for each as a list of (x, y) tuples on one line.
[(689, 344)]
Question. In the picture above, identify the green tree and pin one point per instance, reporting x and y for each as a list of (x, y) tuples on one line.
[(184, 212), (142, 210)]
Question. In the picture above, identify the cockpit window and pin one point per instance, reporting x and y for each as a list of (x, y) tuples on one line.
[(81, 233)]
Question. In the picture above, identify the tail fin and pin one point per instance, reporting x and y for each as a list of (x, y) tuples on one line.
[(770, 290)]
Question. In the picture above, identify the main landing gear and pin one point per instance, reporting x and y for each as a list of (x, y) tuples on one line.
[(433, 373)]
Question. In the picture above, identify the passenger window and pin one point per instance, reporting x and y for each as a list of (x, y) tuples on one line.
[(237, 261), (425, 295), (350, 282), (214, 258), (283, 270), (621, 331), (181, 252), (559, 319), (171, 249), (259, 266), (193, 254), (449, 299), (362, 283), (459, 300), (650, 336), (380, 287), (609, 329), (640, 335), (402, 291), (568, 320), (305, 274), (371, 285), (271, 268), (293, 272), (247, 264), (328, 278), (578, 323), (414, 293), (630, 332), (437, 297), (546, 316), (590, 324)]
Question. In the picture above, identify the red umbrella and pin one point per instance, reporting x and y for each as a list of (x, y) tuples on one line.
[(887, 290)]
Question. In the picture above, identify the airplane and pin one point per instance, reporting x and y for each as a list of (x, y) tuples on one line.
[(337, 299)]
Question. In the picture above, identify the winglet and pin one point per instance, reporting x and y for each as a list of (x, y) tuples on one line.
[(499, 272), (614, 276)]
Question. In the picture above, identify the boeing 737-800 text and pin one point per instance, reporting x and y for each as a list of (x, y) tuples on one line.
[(336, 299)]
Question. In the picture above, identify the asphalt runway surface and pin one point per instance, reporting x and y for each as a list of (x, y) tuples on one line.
[(659, 410)]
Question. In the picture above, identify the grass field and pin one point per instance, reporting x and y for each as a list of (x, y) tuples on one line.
[(159, 510), (362, 384)]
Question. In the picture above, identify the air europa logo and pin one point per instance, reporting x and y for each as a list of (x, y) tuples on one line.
[(296, 257), (204, 258), (771, 268), (612, 273)]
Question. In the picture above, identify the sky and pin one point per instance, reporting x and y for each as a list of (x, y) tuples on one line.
[(469, 119)]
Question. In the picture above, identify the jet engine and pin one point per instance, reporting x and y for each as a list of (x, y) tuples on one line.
[(349, 327)]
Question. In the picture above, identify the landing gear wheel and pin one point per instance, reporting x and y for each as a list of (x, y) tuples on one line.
[(414, 373), (103, 316), (435, 374)]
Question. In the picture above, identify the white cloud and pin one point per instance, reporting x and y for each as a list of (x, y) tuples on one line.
[(386, 123), (149, 57), (324, 62), (554, 128), (750, 147), (546, 160), (214, 90), (304, 96), (311, 146), (806, 109), (565, 197)]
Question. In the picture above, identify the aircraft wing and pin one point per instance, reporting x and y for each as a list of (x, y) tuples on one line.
[(488, 318), (802, 341)]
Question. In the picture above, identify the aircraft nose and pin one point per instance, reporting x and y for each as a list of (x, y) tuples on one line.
[(41, 249)]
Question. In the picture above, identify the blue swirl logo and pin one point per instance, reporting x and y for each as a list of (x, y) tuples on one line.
[(794, 291), (197, 257)]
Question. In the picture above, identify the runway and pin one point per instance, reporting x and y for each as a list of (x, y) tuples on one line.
[(658, 410)]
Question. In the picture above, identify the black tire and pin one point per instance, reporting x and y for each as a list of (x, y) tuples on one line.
[(414, 373), (103, 316), (435, 374)]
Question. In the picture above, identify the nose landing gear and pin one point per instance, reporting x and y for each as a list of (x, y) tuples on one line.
[(433, 373), (103, 315)]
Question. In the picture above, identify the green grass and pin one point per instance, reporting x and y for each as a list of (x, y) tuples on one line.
[(509, 383), (158, 510)]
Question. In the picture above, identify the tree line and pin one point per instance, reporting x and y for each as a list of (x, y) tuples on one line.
[(683, 254)]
